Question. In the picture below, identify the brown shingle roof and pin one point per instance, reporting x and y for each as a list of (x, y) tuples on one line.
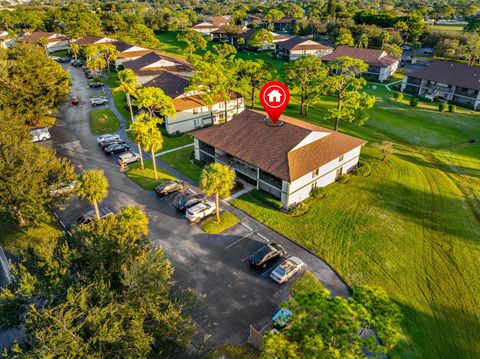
[(450, 73), (271, 149), (35, 37), (296, 43), (370, 56), (173, 85), (90, 40), (138, 65)]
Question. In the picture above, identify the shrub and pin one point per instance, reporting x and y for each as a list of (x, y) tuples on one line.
[(452, 108), (414, 102), (343, 178), (398, 96), (227, 220), (318, 192), (363, 169), (298, 209), (442, 107)]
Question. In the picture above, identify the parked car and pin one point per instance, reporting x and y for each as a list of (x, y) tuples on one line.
[(128, 157), (199, 211), (108, 136), (281, 318), (75, 101), (266, 255), (95, 85), (406, 47), (64, 60), (169, 187), (287, 269), (187, 200), (91, 215), (64, 188), (113, 141), (428, 51), (95, 101), (40, 134), (76, 63), (55, 58), (116, 148)]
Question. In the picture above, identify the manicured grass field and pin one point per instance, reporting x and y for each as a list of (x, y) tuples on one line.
[(447, 27), (146, 178), (227, 220), (170, 142), (119, 98), (103, 121), (181, 161)]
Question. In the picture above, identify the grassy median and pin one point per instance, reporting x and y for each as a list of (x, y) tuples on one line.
[(145, 177), (227, 220), (103, 121)]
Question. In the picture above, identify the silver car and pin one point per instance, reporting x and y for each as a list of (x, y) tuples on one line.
[(107, 137), (128, 157), (40, 134), (287, 269), (94, 101)]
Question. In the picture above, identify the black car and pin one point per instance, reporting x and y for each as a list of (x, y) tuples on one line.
[(95, 85), (187, 200), (116, 148), (169, 187), (112, 141), (265, 255)]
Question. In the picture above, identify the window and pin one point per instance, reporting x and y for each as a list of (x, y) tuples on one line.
[(195, 111), (339, 172), (315, 173), (340, 159)]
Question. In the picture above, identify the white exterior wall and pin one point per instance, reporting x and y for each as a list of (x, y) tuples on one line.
[(187, 120), (386, 72), (300, 189), (295, 54), (57, 46)]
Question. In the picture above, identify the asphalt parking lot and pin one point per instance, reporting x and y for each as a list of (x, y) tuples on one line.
[(216, 266)]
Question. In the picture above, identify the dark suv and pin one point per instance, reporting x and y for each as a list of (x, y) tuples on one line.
[(187, 200), (170, 187), (265, 255)]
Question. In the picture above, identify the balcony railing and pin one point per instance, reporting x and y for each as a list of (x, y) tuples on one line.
[(238, 165)]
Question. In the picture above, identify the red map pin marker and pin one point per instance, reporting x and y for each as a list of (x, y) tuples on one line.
[(274, 97)]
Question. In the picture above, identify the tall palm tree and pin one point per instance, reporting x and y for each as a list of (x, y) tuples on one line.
[(92, 186), (127, 83), (217, 179), (74, 50), (152, 141)]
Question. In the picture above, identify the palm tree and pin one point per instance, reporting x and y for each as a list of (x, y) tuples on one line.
[(74, 50), (217, 179), (127, 83), (44, 42), (152, 140), (92, 186)]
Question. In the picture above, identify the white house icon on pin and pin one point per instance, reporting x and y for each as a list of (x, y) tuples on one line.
[(274, 96)]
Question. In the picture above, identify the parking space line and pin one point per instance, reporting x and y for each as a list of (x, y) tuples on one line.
[(247, 227), (238, 240), (253, 253), (264, 238)]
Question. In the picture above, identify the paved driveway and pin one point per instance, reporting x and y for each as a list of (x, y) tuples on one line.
[(214, 265)]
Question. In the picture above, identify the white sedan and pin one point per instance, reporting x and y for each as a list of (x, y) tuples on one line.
[(107, 137), (287, 269), (94, 101)]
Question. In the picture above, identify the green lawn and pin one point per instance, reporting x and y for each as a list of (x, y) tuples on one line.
[(181, 160), (234, 351), (60, 53), (227, 220), (446, 27), (119, 98), (103, 121), (170, 142), (306, 282), (146, 178)]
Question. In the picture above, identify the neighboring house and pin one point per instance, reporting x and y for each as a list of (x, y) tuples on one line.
[(225, 32), (380, 64), (93, 40), (454, 82), (5, 40), (210, 24), (129, 52), (247, 34), (287, 161), (285, 24), (296, 47), (56, 42), (192, 111), (253, 21), (152, 64)]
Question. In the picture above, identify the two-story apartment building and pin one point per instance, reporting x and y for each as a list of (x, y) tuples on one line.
[(248, 33), (287, 159), (454, 82), (380, 64), (154, 63), (295, 47), (56, 42), (209, 24), (192, 111)]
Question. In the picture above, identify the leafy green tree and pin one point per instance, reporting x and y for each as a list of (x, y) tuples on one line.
[(449, 48), (44, 42), (239, 14), (30, 82), (154, 101), (473, 25), (81, 23), (193, 39), (345, 39), (292, 10), (179, 20), (259, 38), (307, 74), (471, 49), (104, 292), (127, 83), (141, 35), (28, 173), (274, 15), (109, 53), (217, 179), (92, 186), (442, 11), (393, 50), (363, 41), (74, 50), (253, 75), (345, 82)]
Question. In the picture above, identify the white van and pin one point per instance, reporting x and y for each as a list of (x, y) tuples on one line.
[(40, 134)]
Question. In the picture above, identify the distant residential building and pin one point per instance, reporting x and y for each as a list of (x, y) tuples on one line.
[(225, 32), (210, 24), (192, 111), (154, 63), (93, 40), (56, 42), (253, 21), (247, 34), (129, 52), (5, 40), (454, 82), (286, 161), (296, 47), (380, 64), (285, 24)]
